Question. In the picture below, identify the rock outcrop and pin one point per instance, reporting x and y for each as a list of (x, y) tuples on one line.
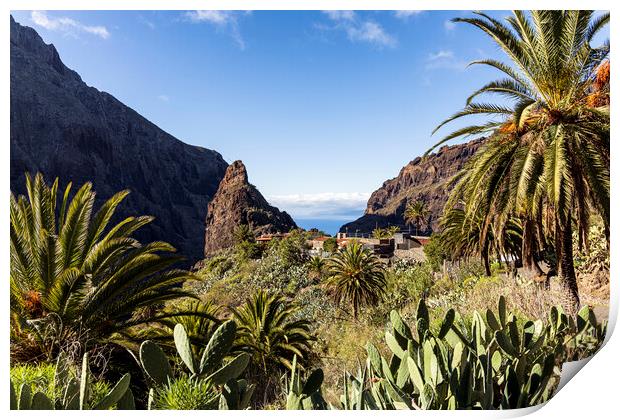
[(421, 179), (237, 202), (64, 128)]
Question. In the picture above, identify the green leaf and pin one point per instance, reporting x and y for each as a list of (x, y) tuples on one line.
[(399, 325), (115, 394), (447, 323), (155, 363), (127, 401), (218, 347), (513, 329), (374, 356), (13, 397), (313, 383), (423, 319), (230, 370), (583, 319), (505, 344), (84, 383), (501, 306), (184, 347), (40, 401), (393, 345), (492, 321), (25, 397)]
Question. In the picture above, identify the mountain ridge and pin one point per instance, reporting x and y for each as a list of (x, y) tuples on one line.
[(64, 128), (424, 178)]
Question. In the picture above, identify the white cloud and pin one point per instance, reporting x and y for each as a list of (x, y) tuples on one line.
[(371, 32), (340, 14), (218, 17), (442, 54), (444, 59), (147, 22), (328, 205), (406, 14), (163, 98), (358, 29), (449, 26), (66, 25), (226, 20)]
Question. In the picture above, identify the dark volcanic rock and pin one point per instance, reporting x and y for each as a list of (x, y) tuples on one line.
[(421, 179), (237, 202), (64, 128)]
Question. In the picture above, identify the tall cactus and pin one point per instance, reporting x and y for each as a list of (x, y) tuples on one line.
[(497, 363), (214, 366), (307, 395)]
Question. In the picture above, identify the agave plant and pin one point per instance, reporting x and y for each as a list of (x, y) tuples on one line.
[(74, 275), (356, 276), (548, 159)]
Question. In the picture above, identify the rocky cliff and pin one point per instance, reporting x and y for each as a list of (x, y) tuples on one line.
[(421, 179), (238, 202), (64, 128)]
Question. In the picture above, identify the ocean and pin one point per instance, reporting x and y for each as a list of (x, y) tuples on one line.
[(329, 226)]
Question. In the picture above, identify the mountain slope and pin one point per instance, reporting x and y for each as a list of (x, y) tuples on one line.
[(66, 129), (238, 202), (421, 179)]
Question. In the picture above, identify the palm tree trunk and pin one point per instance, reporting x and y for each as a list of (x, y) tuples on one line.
[(568, 278), (485, 260)]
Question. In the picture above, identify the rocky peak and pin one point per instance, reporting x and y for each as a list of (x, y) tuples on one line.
[(238, 202), (236, 174)]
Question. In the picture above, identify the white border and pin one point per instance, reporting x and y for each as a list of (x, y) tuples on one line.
[(593, 393)]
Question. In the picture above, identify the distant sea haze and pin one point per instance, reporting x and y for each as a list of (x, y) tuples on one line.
[(330, 226)]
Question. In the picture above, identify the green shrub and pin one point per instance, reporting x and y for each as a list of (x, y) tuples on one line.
[(407, 281), (330, 245), (185, 393), (436, 253), (291, 249), (39, 376)]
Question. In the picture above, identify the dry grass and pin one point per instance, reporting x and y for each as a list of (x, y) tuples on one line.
[(526, 297)]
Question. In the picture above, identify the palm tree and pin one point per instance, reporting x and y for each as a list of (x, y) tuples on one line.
[(267, 328), (243, 233), (316, 267), (415, 213), (74, 275), (385, 233), (357, 276), (200, 320), (548, 159), (463, 238)]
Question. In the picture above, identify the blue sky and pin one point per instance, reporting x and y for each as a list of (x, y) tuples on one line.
[(322, 107)]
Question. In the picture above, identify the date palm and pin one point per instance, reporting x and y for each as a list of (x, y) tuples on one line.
[(415, 213), (547, 161), (463, 238), (316, 267), (267, 328), (74, 274), (356, 276)]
